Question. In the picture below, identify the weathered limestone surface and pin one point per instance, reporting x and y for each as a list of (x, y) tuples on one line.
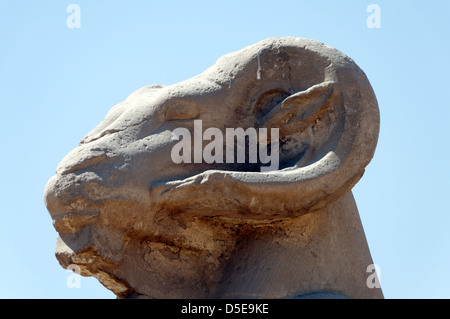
[(148, 227)]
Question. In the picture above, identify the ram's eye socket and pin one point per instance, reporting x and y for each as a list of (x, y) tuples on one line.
[(182, 111), (267, 100)]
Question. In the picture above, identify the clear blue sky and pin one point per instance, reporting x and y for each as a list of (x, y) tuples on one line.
[(57, 83)]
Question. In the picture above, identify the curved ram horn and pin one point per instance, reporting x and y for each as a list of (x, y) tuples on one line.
[(338, 120)]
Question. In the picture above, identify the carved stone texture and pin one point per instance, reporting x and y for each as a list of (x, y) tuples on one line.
[(145, 226)]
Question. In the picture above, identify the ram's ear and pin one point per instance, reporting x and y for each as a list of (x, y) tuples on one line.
[(300, 110)]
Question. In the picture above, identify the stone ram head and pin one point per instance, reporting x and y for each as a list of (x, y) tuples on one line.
[(120, 202)]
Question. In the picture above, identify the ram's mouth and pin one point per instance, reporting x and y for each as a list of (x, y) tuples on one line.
[(72, 221)]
